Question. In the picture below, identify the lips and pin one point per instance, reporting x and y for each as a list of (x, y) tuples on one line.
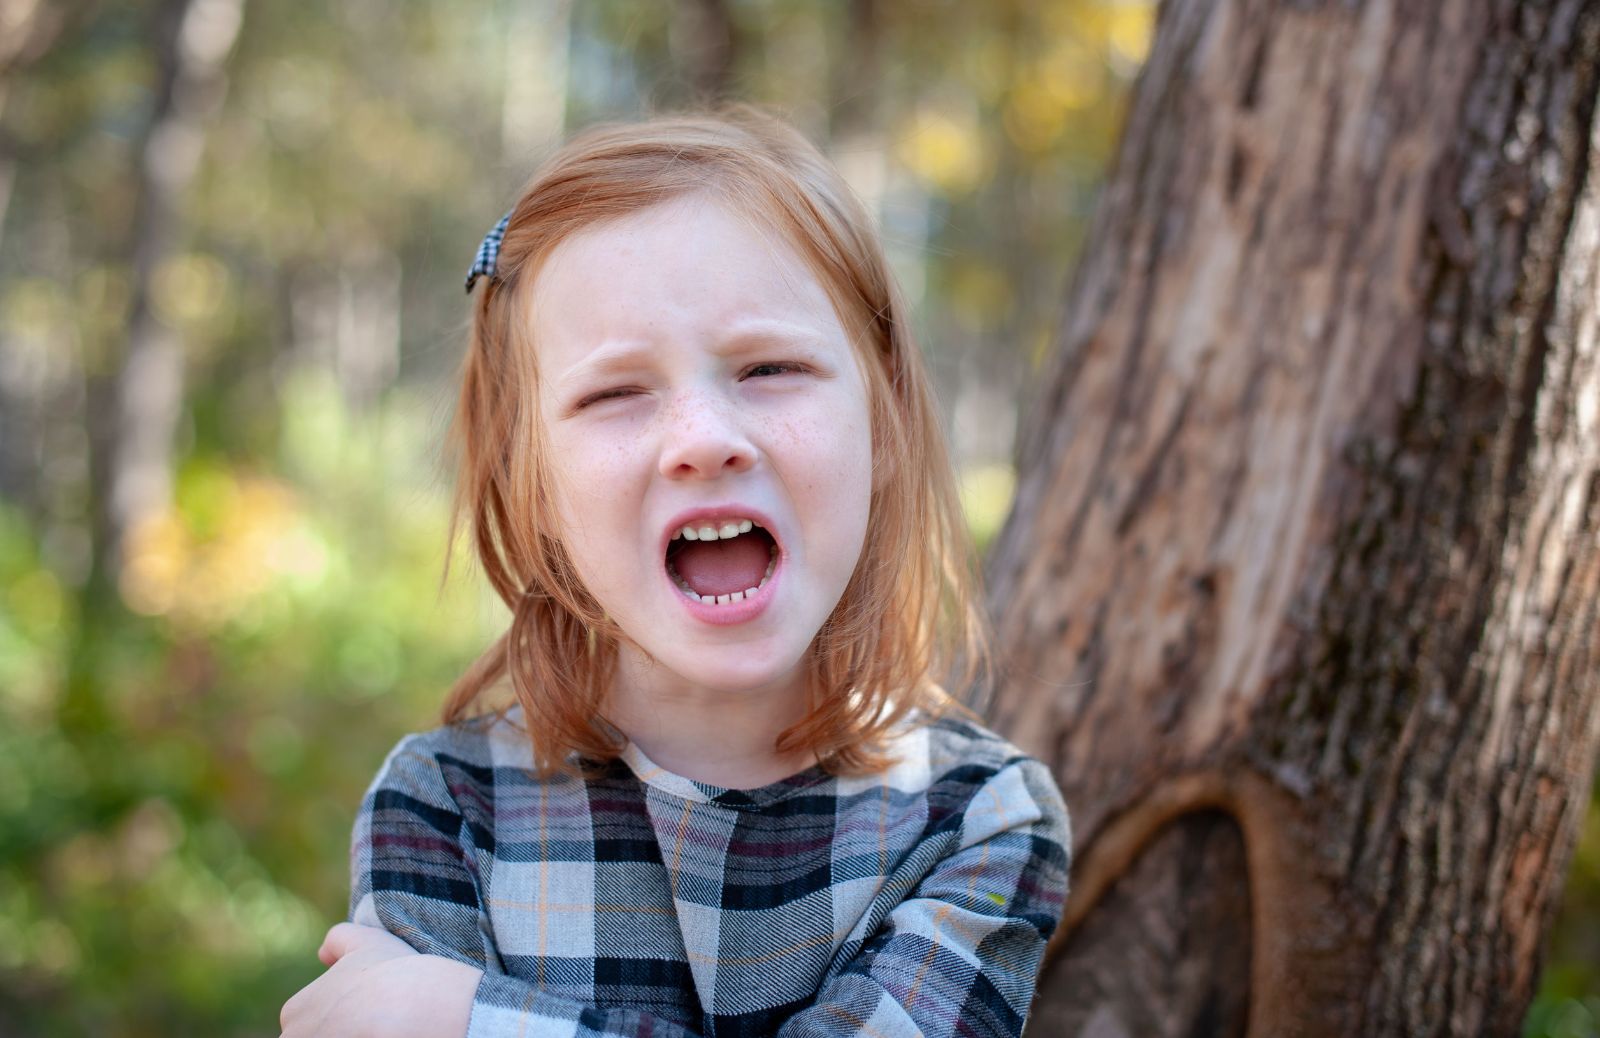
[(724, 609)]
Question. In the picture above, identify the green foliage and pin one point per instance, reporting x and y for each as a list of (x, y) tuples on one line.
[(178, 862), (181, 757), (1563, 1016)]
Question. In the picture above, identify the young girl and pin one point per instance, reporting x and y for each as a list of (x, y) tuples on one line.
[(702, 466)]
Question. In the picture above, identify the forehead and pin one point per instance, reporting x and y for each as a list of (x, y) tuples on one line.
[(688, 270)]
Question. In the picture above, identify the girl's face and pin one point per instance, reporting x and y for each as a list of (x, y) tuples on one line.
[(693, 372)]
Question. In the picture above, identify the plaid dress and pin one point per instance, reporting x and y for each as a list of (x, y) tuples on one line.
[(642, 903)]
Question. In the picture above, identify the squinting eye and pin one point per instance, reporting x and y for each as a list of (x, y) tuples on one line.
[(778, 367), (610, 394), (764, 370)]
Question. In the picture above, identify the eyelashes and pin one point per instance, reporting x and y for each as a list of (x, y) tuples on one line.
[(610, 394), (779, 365), (776, 367)]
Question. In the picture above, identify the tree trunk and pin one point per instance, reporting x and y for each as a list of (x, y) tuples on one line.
[(704, 44), (135, 414), (1299, 596), (28, 29)]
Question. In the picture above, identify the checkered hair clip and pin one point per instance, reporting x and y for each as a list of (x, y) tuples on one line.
[(488, 258)]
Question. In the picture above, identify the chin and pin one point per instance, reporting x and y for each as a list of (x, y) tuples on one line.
[(734, 675)]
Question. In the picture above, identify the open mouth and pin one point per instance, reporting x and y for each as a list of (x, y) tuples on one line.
[(722, 561)]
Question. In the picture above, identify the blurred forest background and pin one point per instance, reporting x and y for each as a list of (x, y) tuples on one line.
[(232, 242)]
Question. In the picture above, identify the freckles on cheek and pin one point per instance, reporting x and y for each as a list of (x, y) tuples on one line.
[(826, 438), (593, 480)]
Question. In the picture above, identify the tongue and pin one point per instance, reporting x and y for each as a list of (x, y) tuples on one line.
[(722, 567)]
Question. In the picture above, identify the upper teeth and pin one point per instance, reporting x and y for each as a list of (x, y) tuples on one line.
[(715, 531)]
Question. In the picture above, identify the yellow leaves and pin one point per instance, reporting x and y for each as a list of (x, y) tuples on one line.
[(236, 539), (1066, 79), (946, 149), (1119, 29), (157, 557), (1081, 51), (986, 492), (1128, 30), (1034, 118)]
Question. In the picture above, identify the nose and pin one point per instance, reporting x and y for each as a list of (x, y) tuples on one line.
[(703, 438)]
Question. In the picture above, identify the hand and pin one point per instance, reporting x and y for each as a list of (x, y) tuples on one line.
[(378, 985)]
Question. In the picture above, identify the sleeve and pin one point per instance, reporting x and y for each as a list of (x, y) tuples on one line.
[(414, 873), (961, 954)]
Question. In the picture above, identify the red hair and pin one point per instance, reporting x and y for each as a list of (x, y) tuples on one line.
[(908, 612)]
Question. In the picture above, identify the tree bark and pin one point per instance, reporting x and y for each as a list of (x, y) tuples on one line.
[(1304, 548)]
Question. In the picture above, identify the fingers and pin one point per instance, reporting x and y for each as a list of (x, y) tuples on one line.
[(347, 938), (306, 1012), (339, 942)]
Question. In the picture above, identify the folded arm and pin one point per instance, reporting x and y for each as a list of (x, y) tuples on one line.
[(958, 956), (961, 955), (414, 873)]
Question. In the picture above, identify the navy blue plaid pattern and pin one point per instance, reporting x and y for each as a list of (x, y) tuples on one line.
[(488, 258), (642, 903)]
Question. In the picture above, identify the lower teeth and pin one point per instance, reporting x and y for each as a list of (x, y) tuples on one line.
[(736, 596)]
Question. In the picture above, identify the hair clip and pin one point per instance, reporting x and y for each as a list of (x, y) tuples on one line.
[(488, 257)]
